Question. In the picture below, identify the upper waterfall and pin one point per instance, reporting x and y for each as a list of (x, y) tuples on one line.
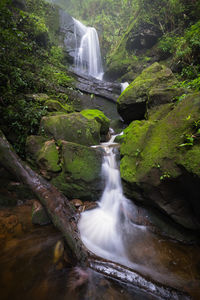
[(88, 55)]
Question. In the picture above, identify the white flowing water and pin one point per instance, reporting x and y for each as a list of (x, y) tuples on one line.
[(124, 85), (88, 55), (101, 228)]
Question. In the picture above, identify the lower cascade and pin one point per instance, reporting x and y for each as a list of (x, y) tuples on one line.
[(102, 228), (88, 55)]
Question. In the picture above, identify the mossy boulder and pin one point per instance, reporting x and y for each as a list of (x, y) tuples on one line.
[(95, 114), (54, 105), (73, 127), (81, 172), (43, 153), (154, 86), (160, 163)]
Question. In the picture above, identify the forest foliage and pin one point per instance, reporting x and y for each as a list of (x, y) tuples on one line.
[(31, 61)]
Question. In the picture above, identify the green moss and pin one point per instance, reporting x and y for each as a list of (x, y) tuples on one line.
[(191, 160), (48, 157), (54, 105), (42, 153), (34, 144), (72, 127), (81, 161), (95, 114), (153, 87), (155, 75), (81, 168), (149, 144)]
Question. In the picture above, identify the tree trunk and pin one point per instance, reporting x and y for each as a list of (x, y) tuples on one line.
[(59, 209)]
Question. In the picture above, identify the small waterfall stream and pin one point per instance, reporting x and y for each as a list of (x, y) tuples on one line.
[(124, 85), (101, 228), (88, 55)]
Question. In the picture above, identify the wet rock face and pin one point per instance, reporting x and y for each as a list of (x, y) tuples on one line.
[(153, 87), (159, 167), (67, 32), (105, 89)]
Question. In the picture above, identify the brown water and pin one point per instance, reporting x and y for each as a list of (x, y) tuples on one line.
[(166, 261), (33, 266)]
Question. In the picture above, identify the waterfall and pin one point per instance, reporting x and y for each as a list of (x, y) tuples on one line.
[(124, 85), (88, 56), (101, 228)]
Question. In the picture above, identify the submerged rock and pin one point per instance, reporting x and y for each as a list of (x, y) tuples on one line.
[(161, 158), (154, 86), (81, 168), (73, 127)]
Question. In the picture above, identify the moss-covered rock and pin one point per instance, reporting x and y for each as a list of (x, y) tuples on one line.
[(160, 162), (54, 105), (81, 168), (154, 86), (43, 153), (95, 114), (48, 157), (40, 97), (73, 127)]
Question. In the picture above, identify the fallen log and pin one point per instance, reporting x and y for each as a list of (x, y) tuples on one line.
[(59, 209)]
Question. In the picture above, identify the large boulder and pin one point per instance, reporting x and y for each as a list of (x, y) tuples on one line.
[(66, 31), (81, 172), (154, 86), (161, 158), (72, 127)]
